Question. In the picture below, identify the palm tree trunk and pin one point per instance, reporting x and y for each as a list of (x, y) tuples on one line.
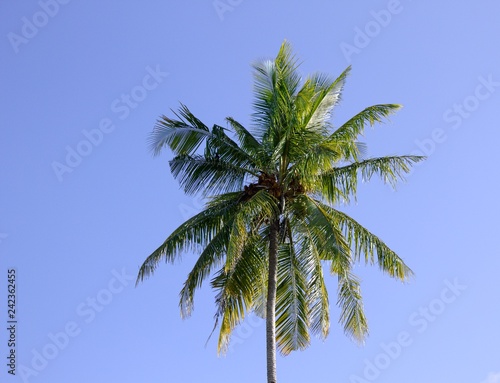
[(271, 303)]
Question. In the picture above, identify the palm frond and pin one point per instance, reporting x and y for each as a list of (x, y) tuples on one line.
[(209, 176), (210, 258), (325, 233), (237, 240), (219, 145), (371, 115), (182, 136), (247, 140), (374, 250), (319, 308), (196, 231), (318, 97), (292, 309), (236, 289), (276, 83), (351, 129), (340, 183), (315, 159), (352, 315)]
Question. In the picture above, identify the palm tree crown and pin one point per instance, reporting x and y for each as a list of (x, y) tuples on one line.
[(270, 225)]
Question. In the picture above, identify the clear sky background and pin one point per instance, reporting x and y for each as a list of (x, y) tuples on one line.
[(83, 202)]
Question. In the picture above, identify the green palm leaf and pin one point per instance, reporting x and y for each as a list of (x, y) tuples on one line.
[(210, 258), (182, 136), (236, 289), (197, 174), (339, 183), (351, 129), (292, 309), (350, 301), (196, 232), (247, 140)]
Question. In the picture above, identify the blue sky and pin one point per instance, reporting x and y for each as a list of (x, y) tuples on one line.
[(83, 202)]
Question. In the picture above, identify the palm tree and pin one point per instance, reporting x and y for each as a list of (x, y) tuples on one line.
[(270, 225)]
